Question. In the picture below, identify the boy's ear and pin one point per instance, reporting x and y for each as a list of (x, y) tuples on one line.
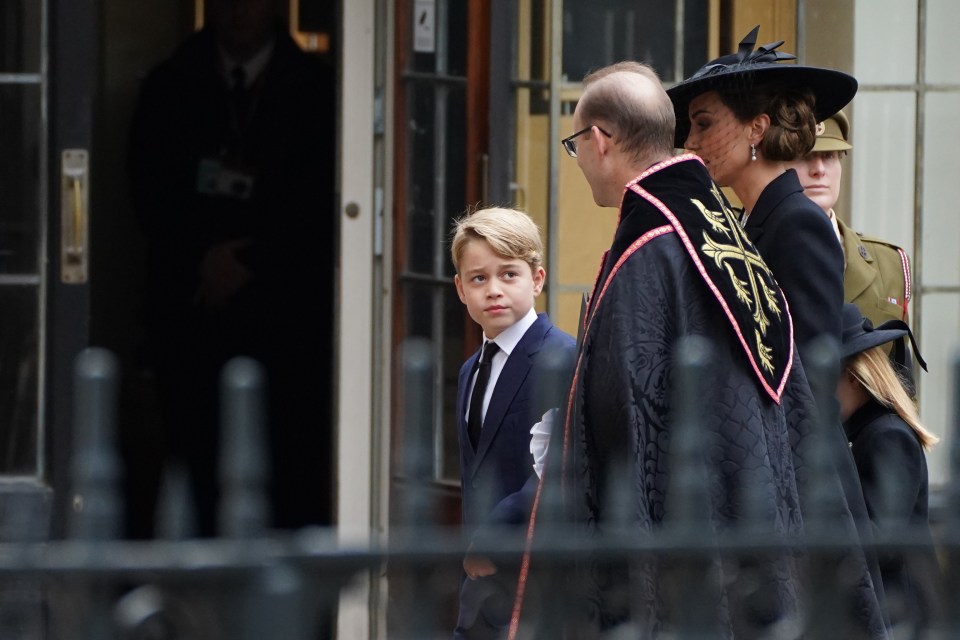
[(539, 277), (459, 285)]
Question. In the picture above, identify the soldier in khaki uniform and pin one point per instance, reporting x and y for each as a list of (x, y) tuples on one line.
[(877, 273)]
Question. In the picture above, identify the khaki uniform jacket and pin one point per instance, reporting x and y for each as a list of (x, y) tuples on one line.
[(877, 276)]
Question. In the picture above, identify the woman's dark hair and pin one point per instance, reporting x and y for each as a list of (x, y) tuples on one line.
[(793, 126)]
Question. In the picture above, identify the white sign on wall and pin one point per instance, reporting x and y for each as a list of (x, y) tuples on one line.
[(424, 26)]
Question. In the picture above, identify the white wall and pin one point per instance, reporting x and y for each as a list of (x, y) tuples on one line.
[(905, 172)]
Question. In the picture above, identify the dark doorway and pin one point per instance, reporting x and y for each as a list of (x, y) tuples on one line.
[(135, 38)]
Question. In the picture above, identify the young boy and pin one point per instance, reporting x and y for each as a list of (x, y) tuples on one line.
[(498, 256)]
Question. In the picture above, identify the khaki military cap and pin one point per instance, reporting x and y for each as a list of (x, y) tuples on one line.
[(832, 133)]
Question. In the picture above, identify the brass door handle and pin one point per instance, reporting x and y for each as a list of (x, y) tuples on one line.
[(74, 214)]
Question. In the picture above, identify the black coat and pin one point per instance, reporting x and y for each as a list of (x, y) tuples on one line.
[(893, 473), (187, 121), (183, 118), (660, 284), (799, 245)]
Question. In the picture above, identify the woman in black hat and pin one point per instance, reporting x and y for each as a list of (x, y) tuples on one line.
[(746, 115), (888, 443)]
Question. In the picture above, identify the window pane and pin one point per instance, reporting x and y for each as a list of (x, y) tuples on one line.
[(600, 32), (533, 61), (421, 211), (436, 171), (941, 190), (568, 311), (456, 20), (453, 357), (423, 303), (585, 228), (883, 132), (696, 36), (943, 16), (20, 36), (454, 169), (450, 21), (531, 168), (417, 307), (19, 325), (19, 173), (939, 344), (885, 42)]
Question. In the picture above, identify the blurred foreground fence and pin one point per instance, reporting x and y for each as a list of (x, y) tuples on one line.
[(253, 583)]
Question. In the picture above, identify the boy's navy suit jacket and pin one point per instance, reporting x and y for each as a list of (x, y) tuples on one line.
[(493, 476), (498, 480)]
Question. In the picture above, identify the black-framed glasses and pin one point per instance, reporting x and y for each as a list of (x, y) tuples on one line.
[(570, 144)]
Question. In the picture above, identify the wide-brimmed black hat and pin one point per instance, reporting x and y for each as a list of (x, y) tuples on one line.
[(832, 89), (859, 335)]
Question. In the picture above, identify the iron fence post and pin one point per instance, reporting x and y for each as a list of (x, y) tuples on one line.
[(821, 507), (551, 520), (257, 584), (95, 468), (418, 518), (244, 511), (696, 590), (273, 599), (95, 475), (951, 582)]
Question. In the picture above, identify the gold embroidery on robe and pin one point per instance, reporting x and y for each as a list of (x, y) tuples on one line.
[(748, 273)]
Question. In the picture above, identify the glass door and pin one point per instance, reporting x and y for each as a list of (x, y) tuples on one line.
[(485, 91), (46, 98), (540, 53), (431, 190), (23, 89)]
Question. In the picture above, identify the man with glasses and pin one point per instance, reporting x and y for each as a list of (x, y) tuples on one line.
[(570, 142), (680, 269)]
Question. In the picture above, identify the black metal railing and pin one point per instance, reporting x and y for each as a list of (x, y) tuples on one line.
[(256, 583)]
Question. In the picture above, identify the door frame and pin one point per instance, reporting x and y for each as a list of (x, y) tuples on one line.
[(72, 53), (356, 328)]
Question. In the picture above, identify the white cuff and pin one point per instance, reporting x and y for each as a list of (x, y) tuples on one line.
[(540, 439)]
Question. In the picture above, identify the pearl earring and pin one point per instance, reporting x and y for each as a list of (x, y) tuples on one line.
[(753, 153)]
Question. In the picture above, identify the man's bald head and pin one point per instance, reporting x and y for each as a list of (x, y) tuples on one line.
[(629, 98)]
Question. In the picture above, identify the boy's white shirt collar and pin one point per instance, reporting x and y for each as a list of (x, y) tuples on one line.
[(508, 340), (510, 337)]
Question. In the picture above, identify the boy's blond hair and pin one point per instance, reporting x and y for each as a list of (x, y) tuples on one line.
[(509, 232)]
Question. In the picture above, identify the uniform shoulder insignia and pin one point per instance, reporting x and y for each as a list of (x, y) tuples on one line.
[(883, 248), (877, 241)]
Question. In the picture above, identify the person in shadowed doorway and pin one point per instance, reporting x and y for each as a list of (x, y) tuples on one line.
[(232, 166)]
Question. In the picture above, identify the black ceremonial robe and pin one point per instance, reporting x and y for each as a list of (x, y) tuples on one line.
[(680, 266)]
